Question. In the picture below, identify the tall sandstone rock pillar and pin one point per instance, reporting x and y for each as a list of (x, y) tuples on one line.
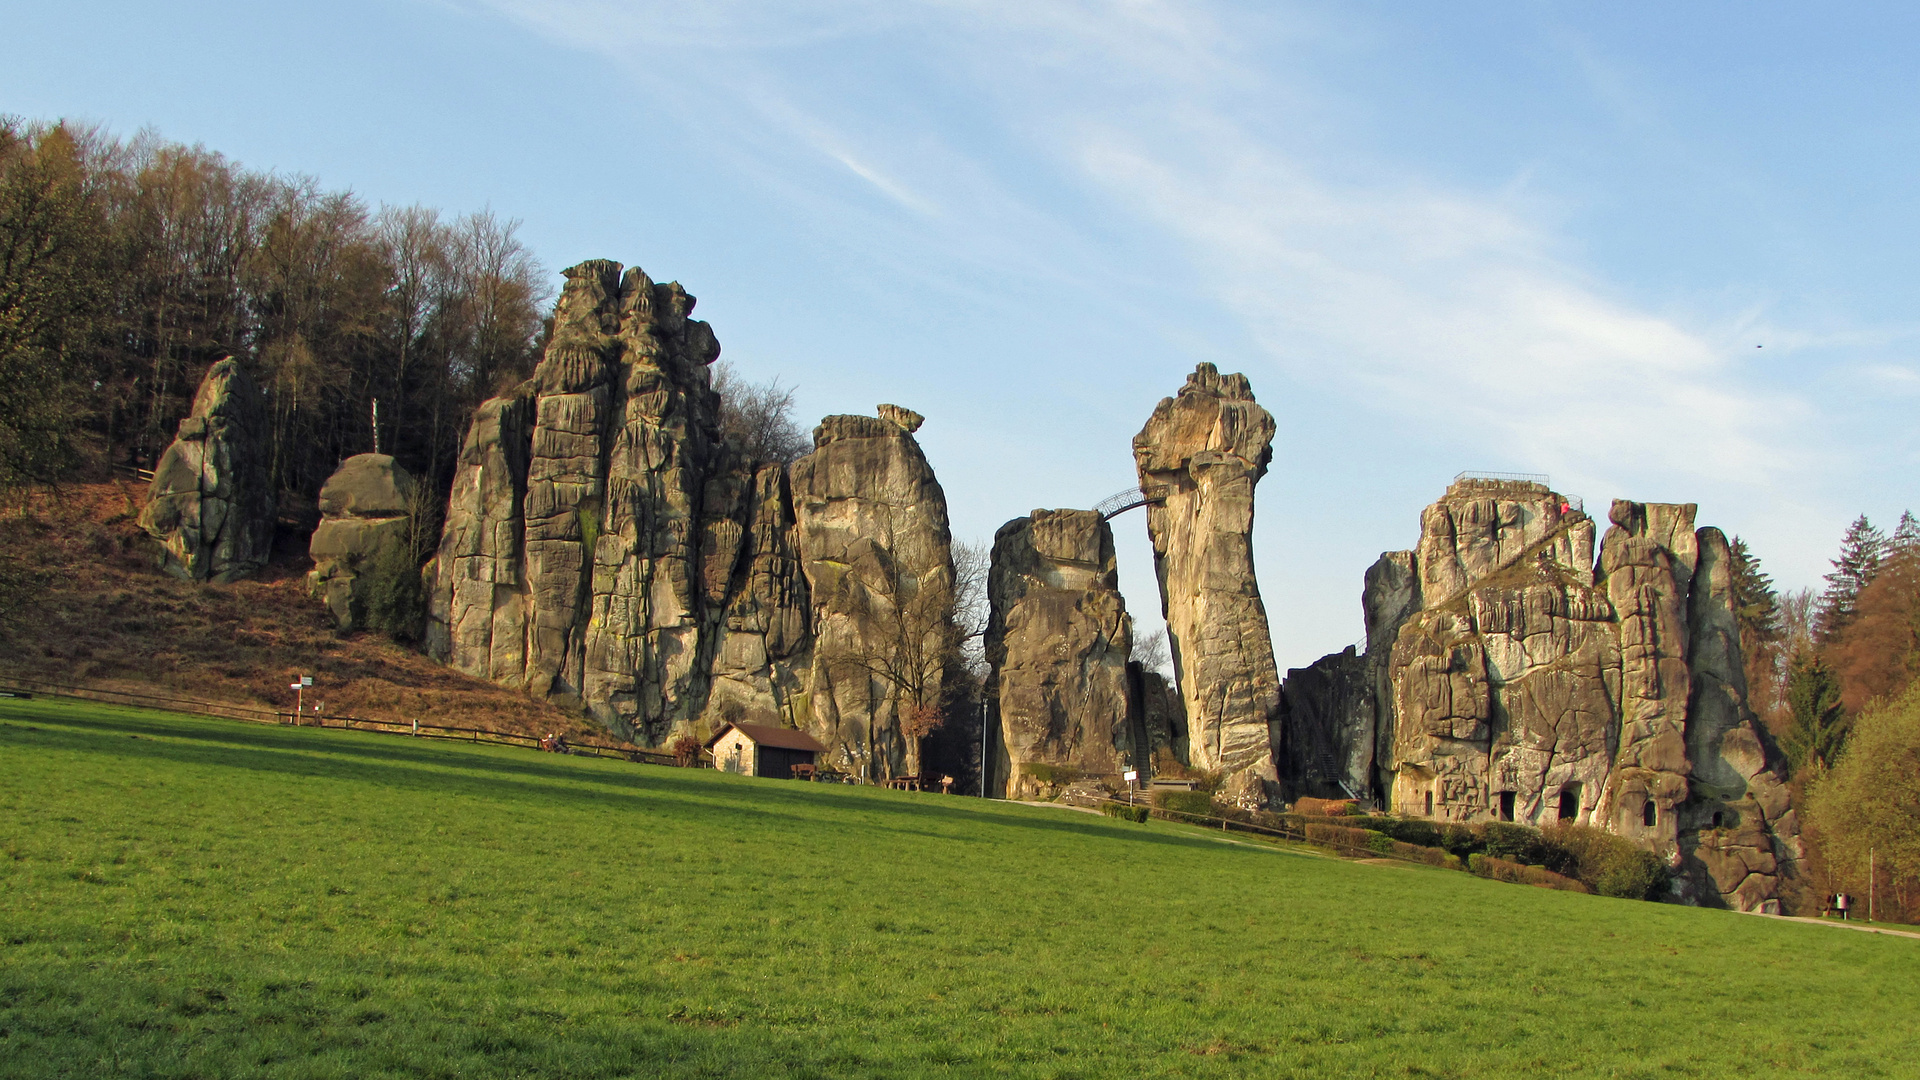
[(1058, 641), (872, 537), (1203, 451), (607, 549), (211, 504), (600, 539)]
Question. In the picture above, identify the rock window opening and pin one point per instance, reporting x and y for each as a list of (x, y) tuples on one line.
[(1429, 804), (1569, 803), (1506, 806), (1718, 817), (1649, 814)]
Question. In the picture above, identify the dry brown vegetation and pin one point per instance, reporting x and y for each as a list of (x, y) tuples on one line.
[(107, 618)]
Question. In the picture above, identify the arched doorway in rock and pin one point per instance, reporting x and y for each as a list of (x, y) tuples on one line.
[(1569, 801)]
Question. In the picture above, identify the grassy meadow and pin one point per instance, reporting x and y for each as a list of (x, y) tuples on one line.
[(183, 897)]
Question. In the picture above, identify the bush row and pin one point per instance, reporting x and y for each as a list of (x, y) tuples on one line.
[(1488, 866), (1124, 812), (1607, 864), (1598, 861)]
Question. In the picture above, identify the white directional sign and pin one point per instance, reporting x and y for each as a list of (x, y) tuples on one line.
[(306, 680)]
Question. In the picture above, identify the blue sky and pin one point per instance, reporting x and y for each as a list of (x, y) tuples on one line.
[(1661, 252)]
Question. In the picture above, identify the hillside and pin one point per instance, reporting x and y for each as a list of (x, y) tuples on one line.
[(188, 897), (109, 618)]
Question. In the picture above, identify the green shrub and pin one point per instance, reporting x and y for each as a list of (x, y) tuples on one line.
[(1528, 845), (1124, 812), (1197, 803), (394, 600), (1611, 865), (1341, 836), (1428, 855), (1462, 840), (1498, 869), (1050, 774), (1407, 830), (1380, 843)]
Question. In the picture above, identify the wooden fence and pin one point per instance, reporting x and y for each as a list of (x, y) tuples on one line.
[(225, 711)]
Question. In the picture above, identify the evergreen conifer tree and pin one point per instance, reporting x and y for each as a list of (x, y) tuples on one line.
[(1819, 728), (1861, 552), (1755, 601), (1756, 606)]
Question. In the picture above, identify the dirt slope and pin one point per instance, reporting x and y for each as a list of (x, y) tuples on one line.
[(109, 618)]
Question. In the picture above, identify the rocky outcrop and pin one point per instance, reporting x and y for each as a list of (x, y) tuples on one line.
[(1200, 456), (211, 504), (605, 548), (365, 509), (1508, 677), (1738, 832), (1058, 638), (872, 537)]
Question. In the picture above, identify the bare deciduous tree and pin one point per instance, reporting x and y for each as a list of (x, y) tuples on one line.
[(757, 418)]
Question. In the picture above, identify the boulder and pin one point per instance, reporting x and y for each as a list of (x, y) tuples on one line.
[(1058, 639), (211, 504), (364, 515), (1199, 456)]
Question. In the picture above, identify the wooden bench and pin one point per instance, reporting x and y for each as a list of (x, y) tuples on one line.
[(802, 772)]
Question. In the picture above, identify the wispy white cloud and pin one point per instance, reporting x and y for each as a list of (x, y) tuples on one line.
[(1440, 307)]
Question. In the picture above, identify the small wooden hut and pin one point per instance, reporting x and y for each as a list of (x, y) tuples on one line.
[(762, 750)]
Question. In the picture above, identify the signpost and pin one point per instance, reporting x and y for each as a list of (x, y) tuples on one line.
[(299, 686)]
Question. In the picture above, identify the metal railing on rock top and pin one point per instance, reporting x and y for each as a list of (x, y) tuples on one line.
[(1506, 477)]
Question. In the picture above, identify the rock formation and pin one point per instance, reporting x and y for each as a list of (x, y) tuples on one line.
[(1058, 641), (1505, 677), (1201, 453), (211, 504), (604, 547), (871, 534), (364, 515)]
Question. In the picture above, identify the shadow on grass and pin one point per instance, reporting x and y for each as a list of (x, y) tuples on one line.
[(399, 762)]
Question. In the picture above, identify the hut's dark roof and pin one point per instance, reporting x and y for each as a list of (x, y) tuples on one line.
[(772, 735)]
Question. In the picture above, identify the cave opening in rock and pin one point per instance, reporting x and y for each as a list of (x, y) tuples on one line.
[(1429, 804), (1506, 806), (1649, 814), (1718, 817), (1569, 802)]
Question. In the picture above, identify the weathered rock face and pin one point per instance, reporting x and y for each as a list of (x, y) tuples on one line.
[(1058, 639), (364, 510), (872, 537), (1739, 835), (605, 548), (1204, 450), (211, 505), (1505, 679)]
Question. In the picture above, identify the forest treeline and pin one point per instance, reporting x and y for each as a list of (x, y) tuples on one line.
[(1832, 673), (128, 266)]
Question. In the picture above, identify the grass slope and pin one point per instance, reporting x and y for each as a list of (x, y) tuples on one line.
[(110, 618), (184, 897)]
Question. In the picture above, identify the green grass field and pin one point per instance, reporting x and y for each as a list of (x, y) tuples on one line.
[(198, 898)]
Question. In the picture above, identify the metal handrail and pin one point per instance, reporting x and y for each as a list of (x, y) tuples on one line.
[(1122, 501), (1518, 477)]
